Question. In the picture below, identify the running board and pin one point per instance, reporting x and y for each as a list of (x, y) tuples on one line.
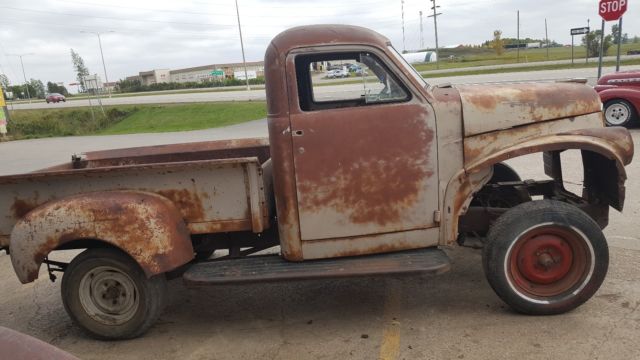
[(272, 268)]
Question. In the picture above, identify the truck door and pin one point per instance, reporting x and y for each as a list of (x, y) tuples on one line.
[(364, 152)]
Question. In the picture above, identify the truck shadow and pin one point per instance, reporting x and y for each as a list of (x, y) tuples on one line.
[(340, 302)]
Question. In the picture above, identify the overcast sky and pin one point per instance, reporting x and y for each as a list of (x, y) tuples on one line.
[(156, 34)]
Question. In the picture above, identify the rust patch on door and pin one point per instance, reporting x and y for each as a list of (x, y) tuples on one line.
[(369, 184)]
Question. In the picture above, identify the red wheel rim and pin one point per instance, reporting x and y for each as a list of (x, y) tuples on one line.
[(549, 261)]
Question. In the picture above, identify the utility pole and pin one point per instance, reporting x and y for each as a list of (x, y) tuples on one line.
[(587, 43), (104, 67), (435, 24), (518, 37), (26, 84), (421, 33), (546, 36), (404, 45), (244, 61), (601, 50), (619, 42)]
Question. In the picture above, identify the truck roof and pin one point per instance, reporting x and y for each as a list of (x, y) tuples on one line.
[(318, 35)]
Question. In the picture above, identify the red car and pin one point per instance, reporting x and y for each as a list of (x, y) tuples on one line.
[(55, 97), (620, 94)]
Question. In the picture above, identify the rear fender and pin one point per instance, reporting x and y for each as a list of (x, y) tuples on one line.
[(146, 226)]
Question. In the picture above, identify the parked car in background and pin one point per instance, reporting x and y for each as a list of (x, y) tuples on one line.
[(361, 72), (620, 94), (55, 97), (337, 73)]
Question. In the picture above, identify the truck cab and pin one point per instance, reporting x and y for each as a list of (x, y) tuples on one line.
[(376, 175)]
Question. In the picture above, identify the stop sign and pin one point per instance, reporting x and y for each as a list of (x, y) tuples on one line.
[(611, 10)]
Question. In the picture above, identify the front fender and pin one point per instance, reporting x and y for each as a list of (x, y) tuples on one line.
[(481, 152), (146, 226)]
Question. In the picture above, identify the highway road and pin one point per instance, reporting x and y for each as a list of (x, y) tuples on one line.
[(324, 91)]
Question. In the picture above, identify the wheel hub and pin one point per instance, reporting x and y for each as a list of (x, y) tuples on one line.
[(548, 261), (545, 259), (109, 295), (617, 114)]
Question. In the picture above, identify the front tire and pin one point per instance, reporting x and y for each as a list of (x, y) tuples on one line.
[(107, 294), (545, 257), (619, 113)]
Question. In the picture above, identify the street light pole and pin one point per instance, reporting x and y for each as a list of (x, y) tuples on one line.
[(244, 61), (104, 67), (26, 84), (421, 33), (404, 46), (435, 24)]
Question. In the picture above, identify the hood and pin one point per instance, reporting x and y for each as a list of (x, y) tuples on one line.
[(487, 108)]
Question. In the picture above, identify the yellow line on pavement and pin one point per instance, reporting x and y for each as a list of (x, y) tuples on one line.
[(390, 346)]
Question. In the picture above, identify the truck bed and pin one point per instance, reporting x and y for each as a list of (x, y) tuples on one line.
[(218, 186)]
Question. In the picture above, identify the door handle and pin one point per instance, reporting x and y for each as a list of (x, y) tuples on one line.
[(298, 133)]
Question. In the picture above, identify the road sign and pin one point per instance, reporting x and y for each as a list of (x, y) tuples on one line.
[(611, 10), (580, 31), (217, 73)]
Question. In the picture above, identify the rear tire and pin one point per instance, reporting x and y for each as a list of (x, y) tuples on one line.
[(545, 257), (107, 294), (619, 113)]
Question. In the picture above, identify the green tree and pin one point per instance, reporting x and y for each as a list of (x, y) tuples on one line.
[(4, 82), (36, 89), (81, 70), (615, 32), (498, 43), (593, 39), (55, 88)]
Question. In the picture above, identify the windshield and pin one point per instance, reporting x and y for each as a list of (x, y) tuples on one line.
[(406, 64)]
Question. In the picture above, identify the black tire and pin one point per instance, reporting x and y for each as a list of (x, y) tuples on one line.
[(108, 277), (545, 257), (619, 112), (505, 197), (204, 254)]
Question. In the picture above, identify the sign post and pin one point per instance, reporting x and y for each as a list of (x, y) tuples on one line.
[(4, 115), (578, 31), (611, 10)]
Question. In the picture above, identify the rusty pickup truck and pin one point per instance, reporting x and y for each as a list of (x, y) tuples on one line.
[(377, 177)]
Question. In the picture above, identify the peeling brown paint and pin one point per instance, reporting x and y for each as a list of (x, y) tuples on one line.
[(20, 208), (188, 202), (495, 107), (370, 185), (146, 226)]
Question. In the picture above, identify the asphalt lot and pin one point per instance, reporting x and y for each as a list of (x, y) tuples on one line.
[(453, 316), (323, 91)]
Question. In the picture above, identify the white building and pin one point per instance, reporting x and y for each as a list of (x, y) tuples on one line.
[(200, 73), (420, 57), (217, 72)]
